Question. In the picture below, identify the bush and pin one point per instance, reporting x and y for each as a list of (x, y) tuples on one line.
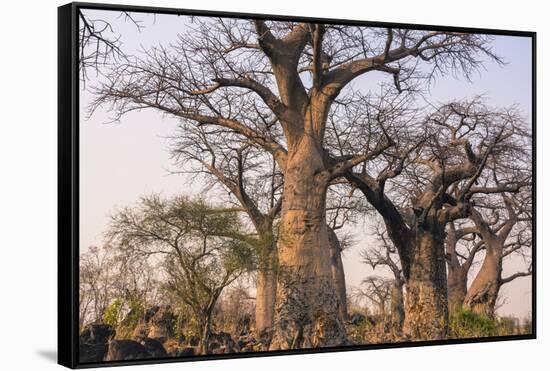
[(124, 316), (134, 312), (112, 313), (467, 324)]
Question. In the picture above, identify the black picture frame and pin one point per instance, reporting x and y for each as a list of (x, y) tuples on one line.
[(68, 181)]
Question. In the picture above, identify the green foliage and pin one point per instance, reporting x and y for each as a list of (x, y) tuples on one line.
[(358, 334), (112, 313), (203, 247), (124, 315), (467, 324), (135, 311)]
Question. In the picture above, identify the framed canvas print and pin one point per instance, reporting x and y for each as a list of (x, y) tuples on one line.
[(235, 185)]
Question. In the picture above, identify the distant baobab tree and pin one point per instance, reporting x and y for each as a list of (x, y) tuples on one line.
[(432, 178)]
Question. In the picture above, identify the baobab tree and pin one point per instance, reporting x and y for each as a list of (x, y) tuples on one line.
[(99, 43), (343, 210), (461, 247), (433, 178), (502, 236), (297, 71), (501, 212), (378, 291)]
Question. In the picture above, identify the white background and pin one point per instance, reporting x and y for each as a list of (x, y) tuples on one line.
[(28, 158)]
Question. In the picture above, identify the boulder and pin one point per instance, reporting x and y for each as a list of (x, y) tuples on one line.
[(241, 344), (97, 333), (223, 340), (187, 351), (91, 352), (93, 342), (221, 350), (157, 323), (162, 324), (357, 319), (126, 350), (213, 345), (193, 341), (154, 347), (172, 346)]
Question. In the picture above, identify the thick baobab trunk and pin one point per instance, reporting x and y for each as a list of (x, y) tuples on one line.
[(397, 307), (338, 276), (266, 291), (457, 281), (426, 314), (306, 313), (483, 293)]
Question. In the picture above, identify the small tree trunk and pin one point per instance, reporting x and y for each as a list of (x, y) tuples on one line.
[(381, 309), (338, 276), (204, 324), (483, 293), (457, 281), (266, 291), (306, 313), (397, 307), (426, 312)]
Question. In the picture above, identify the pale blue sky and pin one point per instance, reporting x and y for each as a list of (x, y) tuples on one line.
[(120, 162)]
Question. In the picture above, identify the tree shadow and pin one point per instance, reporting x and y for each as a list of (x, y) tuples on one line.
[(50, 355)]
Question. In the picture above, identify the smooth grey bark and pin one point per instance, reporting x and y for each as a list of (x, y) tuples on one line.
[(457, 276), (338, 275), (483, 293), (266, 291), (397, 306)]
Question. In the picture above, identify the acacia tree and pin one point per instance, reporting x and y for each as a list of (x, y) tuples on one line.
[(254, 183), (436, 177), (201, 247), (297, 70)]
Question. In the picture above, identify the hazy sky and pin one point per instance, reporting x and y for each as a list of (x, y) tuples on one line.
[(120, 162)]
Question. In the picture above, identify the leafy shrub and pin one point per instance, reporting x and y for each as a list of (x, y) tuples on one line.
[(112, 313), (135, 311), (124, 316), (467, 324)]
